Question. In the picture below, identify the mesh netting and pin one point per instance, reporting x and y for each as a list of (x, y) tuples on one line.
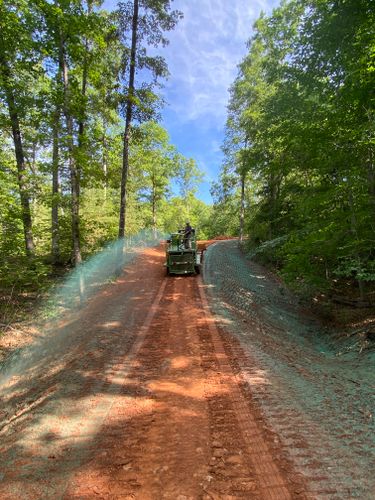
[(321, 405)]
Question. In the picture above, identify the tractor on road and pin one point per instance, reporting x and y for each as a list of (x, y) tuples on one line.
[(182, 255)]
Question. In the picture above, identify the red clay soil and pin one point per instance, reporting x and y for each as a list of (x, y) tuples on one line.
[(203, 244), (145, 406)]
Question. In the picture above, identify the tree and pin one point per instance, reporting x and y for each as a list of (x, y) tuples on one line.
[(75, 36), (69, 74), (304, 101), (154, 160), (18, 56), (159, 169), (148, 19)]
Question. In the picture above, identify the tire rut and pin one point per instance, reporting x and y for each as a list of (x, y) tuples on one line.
[(187, 431), (154, 410)]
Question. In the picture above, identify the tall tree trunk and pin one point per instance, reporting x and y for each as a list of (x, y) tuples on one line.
[(154, 222), (82, 117), (274, 184), (242, 206), (353, 228), (371, 180), (128, 119), (55, 188), (20, 157), (104, 159), (74, 177)]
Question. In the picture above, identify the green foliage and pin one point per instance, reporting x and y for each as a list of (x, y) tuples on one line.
[(357, 268), (64, 63), (11, 240), (301, 125), (24, 273), (177, 211)]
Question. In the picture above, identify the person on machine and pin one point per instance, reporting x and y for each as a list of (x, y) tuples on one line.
[(188, 231)]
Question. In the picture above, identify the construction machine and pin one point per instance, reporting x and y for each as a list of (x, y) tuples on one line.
[(182, 255)]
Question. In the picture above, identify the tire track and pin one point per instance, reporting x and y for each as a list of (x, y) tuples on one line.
[(158, 415), (272, 482), (183, 429)]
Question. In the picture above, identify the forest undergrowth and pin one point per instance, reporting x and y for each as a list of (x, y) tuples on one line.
[(347, 319)]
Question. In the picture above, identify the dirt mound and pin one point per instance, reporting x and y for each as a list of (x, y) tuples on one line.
[(225, 237)]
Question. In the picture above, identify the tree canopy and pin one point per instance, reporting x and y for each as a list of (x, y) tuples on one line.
[(66, 90), (301, 127)]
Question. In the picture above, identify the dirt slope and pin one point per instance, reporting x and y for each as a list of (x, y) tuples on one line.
[(317, 397), (137, 398)]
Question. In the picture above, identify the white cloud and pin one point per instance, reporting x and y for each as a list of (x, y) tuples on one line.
[(205, 49)]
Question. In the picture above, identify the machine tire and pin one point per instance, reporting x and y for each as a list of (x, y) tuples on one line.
[(197, 269)]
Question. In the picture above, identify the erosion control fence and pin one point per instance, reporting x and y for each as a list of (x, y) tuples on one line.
[(105, 266), (70, 296)]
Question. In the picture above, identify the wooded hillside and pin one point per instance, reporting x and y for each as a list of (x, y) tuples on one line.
[(82, 157), (300, 143)]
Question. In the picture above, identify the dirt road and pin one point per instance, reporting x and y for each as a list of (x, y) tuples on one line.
[(135, 397), (143, 394)]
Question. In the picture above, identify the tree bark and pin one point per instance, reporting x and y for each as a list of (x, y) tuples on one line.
[(242, 207), (55, 240), (353, 228), (82, 117), (104, 160), (20, 157), (154, 222), (274, 184), (128, 119), (74, 174), (371, 179)]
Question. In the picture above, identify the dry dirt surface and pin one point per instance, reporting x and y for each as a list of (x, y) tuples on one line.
[(134, 397), (317, 395), (145, 394)]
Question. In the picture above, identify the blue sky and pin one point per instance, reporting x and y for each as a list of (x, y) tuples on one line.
[(202, 56)]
